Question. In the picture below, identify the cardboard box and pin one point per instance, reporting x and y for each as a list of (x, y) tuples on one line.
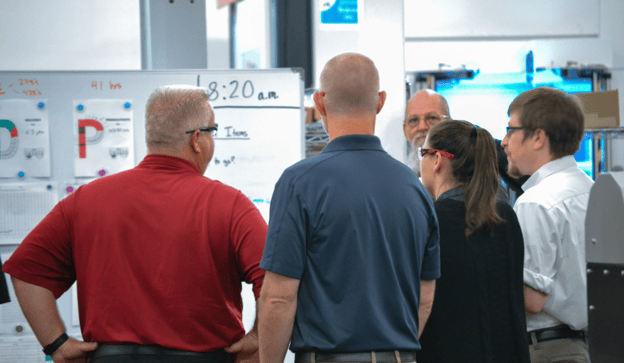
[(601, 109)]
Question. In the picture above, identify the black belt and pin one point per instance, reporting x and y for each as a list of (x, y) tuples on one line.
[(218, 356), (381, 357), (557, 332)]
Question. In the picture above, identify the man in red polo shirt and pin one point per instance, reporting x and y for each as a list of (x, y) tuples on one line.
[(158, 252)]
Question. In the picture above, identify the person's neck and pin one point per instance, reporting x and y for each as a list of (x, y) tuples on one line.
[(444, 186), (346, 125), (540, 160)]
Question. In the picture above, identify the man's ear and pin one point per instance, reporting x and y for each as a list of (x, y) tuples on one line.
[(194, 141), (540, 140), (319, 101), (382, 101)]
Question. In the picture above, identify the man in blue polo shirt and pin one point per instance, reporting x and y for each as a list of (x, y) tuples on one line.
[(352, 251)]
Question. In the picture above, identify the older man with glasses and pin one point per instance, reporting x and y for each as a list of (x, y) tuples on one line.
[(158, 252), (425, 109)]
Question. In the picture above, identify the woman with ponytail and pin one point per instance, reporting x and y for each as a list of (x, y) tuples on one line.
[(478, 312)]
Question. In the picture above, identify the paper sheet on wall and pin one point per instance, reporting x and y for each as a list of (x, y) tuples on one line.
[(103, 136), (24, 138), (23, 206)]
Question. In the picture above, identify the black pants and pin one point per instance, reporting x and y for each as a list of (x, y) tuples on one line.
[(150, 359), (144, 354)]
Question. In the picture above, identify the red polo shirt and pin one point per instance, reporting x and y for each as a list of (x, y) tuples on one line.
[(159, 253)]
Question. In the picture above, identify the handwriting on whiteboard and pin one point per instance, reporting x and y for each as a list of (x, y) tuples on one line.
[(30, 91), (237, 89), (99, 85), (224, 161)]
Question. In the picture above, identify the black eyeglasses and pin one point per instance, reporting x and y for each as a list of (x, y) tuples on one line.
[(514, 128), (211, 129), (424, 152)]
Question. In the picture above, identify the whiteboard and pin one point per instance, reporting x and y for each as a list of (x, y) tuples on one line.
[(259, 112)]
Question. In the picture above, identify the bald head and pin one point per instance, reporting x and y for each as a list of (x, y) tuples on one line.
[(429, 99), (350, 82)]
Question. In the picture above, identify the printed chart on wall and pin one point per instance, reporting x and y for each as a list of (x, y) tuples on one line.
[(104, 137), (24, 138), (260, 130), (22, 207)]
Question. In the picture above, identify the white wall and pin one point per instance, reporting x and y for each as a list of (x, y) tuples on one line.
[(69, 35), (88, 35)]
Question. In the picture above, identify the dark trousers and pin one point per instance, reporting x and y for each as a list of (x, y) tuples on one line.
[(151, 354), (149, 359)]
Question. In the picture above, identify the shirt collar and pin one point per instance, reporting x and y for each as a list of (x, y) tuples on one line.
[(354, 142), (159, 161), (548, 169), (457, 193)]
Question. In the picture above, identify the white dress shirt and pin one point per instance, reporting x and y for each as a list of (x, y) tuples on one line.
[(552, 213)]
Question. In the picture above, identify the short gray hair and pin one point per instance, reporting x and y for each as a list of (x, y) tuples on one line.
[(173, 110)]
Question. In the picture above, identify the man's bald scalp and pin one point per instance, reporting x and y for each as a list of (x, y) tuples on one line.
[(444, 106), (351, 84)]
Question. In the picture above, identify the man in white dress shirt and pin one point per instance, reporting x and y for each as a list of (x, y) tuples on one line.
[(545, 130)]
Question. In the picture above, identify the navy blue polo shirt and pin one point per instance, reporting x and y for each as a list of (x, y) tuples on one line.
[(359, 231)]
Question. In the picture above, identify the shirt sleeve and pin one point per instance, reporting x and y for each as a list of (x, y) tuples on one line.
[(285, 250), (44, 258), (431, 259), (540, 245), (248, 234)]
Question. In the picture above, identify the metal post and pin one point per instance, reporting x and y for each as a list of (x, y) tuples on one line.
[(233, 19), (146, 36)]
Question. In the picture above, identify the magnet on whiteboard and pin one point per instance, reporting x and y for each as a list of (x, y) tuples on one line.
[(20, 174), (41, 105), (80, 107), (69, 189), (49, 187), (102, 172), (127, 105)]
